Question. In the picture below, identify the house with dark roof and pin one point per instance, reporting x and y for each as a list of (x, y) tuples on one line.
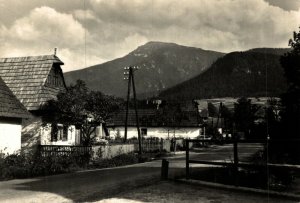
[(34, 80), (155, 123), (12, 113)]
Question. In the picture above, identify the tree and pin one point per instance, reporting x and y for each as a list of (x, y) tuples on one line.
[(291, 99), (244, 115), (272, 118), (212, 110), (290, 114), (228, 118), (170, 115), (81, 107)]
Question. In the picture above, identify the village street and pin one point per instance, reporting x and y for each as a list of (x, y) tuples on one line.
[(97, 185)]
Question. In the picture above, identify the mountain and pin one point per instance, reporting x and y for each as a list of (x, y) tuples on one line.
[(256, 72), (162, 65)]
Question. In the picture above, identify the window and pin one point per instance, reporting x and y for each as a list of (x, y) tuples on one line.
[(54, 78), (144, 131), (59, 133), (57, 77), (50, 79)]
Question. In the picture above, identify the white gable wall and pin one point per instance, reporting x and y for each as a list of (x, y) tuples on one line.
[(10, 137)]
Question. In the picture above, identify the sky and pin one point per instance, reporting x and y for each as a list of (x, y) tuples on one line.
[(89, 32)]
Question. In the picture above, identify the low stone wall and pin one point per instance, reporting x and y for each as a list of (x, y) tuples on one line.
[(110, 151)]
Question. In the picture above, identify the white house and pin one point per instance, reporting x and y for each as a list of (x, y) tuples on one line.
[(34, 80), (151, 126), (12, 112), (65, 135)]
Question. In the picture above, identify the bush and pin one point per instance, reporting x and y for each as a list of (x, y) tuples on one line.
[(121, 160), (34, 164), (14, 166), (101, 142), (278, 178)]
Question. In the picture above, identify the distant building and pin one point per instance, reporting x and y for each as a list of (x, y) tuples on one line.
[(12, 113), (151, 124)]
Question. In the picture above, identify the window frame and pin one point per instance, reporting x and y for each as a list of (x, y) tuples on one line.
[(59, 132), (144, 131)]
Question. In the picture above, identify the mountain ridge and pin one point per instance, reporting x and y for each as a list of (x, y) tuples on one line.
[(156, 61), (256, 72)]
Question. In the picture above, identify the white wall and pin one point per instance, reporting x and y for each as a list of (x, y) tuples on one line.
[(73, 136), (110, 151), (10, 137), (45, 133), (31, 130), (185, 132)]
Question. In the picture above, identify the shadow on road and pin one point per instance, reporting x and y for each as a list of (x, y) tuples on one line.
[(105, 183), (98, 184)]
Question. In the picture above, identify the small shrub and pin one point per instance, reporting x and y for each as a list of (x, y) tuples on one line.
[(120, 160), (34, 164), (101, 142), (14, 166), (278, 178)]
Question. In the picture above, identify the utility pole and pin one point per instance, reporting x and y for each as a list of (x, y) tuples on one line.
[(130, 79), (128, 97), (220, 114)]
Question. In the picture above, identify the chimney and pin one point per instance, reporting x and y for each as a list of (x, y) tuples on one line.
[(55, 50)]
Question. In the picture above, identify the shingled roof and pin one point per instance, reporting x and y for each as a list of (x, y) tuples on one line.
[(149, 118), (10, 106), (119, 118), (26, 77)]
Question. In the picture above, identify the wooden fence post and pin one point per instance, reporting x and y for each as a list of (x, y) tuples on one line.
[(187, 164), (236, 161), (164, 169)]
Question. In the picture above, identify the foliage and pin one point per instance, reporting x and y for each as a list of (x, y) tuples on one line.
[(31, 165), (14, 166), (212, 110), (228, 118), (171, 114), (291, 99), (99, 141), (276, 179), (244, 115), (234, 75), (221, 112), (120, 160), (81, 107), (290, 114), (272, 124)]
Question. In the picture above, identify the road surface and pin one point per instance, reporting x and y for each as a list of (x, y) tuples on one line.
[(225, 152)]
